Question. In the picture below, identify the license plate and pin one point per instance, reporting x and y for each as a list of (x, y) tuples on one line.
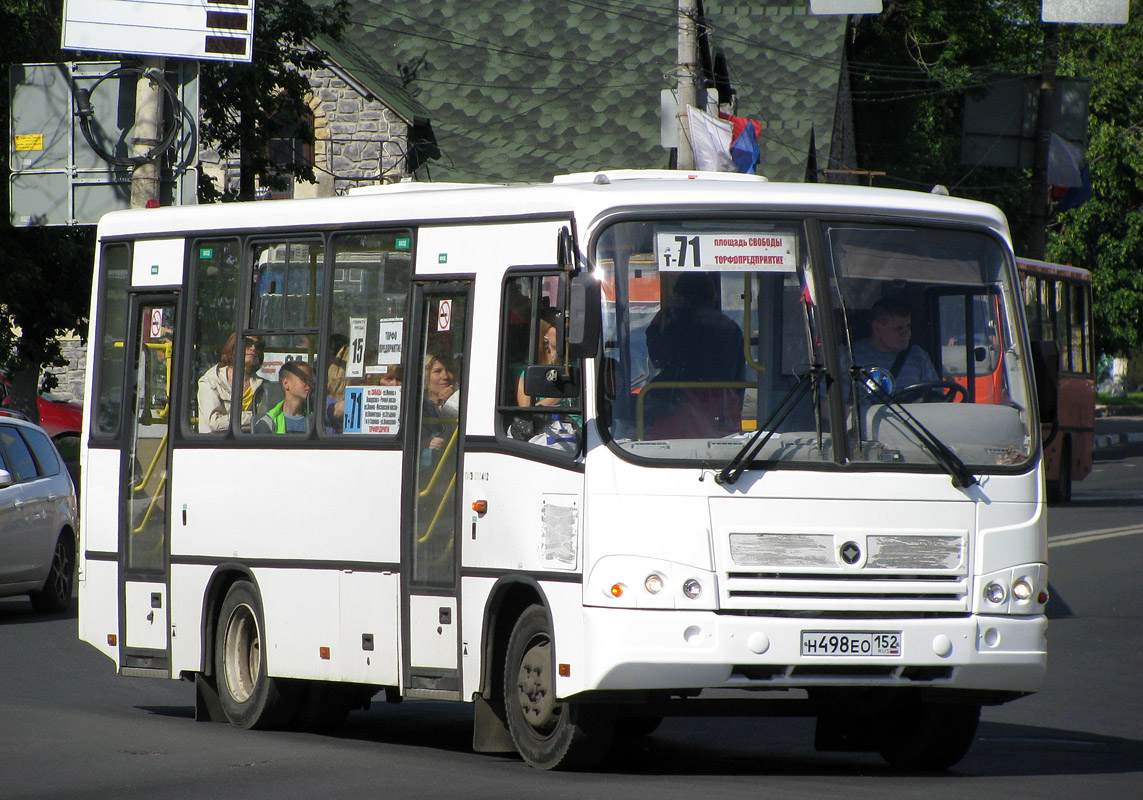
[(851, 643)]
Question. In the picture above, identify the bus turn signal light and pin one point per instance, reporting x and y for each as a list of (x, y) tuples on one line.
[(617, 589), (480, 506)]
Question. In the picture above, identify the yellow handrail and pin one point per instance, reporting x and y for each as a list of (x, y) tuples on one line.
[(151, 506), (647, 388), (160, 450), (440, 464), (440, 509)]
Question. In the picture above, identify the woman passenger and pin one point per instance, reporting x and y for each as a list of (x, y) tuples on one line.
[(214, 388)]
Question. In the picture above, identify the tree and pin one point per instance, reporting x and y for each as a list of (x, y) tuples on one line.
[(1105, 234), (45, 273), (244, 107), (912, 68)]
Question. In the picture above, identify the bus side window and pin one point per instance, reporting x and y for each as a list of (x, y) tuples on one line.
[(530, 336), (287, 279), (216, 267), (362, 376)]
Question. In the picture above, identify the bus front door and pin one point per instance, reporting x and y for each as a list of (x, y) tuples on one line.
[(144, 511), (433, 459)]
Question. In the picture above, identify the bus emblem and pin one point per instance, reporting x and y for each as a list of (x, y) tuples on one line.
[(850, 553)]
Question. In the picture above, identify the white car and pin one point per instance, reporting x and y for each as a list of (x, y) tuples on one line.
[(38, 522)]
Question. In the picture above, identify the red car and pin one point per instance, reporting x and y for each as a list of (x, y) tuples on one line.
[(58, 417)]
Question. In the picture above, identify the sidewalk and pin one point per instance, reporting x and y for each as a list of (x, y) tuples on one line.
[(1120, 428)]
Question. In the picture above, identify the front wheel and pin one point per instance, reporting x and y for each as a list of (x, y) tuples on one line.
[(926, 737), (54, 597), (249, 697), (548, 733)]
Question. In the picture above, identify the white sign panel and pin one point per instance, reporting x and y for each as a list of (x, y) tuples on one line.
[(381, 409), (389, 341), (209, 30), (355, 363), (1098, 12), (690, 251), (823, 7)]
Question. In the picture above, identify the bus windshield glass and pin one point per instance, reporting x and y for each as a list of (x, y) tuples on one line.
[(718, 338)]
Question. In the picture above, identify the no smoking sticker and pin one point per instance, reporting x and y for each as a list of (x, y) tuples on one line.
[(444, 316)]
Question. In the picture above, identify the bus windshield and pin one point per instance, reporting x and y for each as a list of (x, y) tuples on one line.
[(724, 333)]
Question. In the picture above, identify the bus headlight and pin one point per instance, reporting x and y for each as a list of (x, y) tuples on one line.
[(692, 589), (1022, 590), (995, 593), (653, 583)]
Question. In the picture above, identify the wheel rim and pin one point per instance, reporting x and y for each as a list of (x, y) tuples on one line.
[(59, 579), (242, 653), (535, 694)]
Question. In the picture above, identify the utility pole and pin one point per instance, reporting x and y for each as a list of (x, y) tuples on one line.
[(1045, 118), (688, 78), (145, 178)]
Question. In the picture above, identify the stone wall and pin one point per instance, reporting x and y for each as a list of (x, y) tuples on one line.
[(358, 141)]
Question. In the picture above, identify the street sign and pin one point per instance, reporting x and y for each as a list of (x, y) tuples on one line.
[(1092, 12), (206, 30), (56, 177)]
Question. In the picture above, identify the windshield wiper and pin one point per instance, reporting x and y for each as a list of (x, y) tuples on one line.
[(807, 382), (961, 476)]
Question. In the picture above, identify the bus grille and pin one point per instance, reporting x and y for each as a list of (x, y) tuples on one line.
[(791, 572)]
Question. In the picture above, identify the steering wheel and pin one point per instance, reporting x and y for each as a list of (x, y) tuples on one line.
[(942, 391)]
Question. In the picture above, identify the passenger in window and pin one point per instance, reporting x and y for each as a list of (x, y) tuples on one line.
[(335, 390), (547, 356), (442, 401), (393, 377), (691, 342), (292, 415), (214, 388)]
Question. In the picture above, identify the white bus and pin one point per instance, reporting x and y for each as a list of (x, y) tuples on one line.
[(586, 454)]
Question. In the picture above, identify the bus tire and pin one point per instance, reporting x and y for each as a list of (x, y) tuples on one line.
[(250, 698), (1060, 490), (926, 737), (548, 734)]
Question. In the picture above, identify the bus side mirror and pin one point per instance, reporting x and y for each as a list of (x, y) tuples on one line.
[(5, 479), (585, 315), (1046, 370)]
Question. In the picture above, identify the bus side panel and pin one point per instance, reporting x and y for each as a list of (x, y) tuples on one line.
[(99, 605), (534, 514), (333, 505), (99, 534)]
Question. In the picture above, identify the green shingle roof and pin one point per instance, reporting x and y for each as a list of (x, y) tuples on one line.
[(526, 89)]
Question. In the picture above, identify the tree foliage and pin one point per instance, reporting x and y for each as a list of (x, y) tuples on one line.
[(912, 68), (244, 107), (915, 64), (1105, 234)]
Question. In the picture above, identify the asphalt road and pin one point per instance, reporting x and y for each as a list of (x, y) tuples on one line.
[(71, 728)]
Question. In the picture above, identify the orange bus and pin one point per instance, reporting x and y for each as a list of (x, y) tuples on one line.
[(1057, 302)]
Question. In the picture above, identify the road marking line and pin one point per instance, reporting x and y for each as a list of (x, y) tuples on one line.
[(1094, 536)]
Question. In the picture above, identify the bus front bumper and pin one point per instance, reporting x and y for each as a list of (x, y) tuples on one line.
[(634, 649)]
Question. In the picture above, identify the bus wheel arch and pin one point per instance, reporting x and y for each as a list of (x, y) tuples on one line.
[(249, 697), (549, 733)]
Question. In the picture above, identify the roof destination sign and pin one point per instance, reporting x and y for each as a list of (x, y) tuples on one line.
[(213, 30), (688, 251)]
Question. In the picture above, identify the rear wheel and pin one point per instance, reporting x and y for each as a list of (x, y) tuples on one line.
[(55, 595), (249, 697), (548, 734), (925, 737)]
